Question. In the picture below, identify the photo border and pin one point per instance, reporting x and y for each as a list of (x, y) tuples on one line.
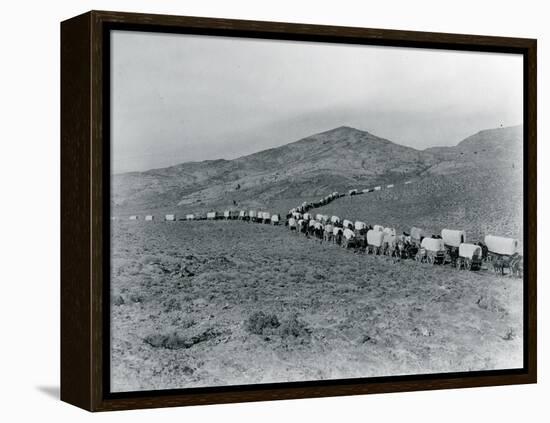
[(85, 232)]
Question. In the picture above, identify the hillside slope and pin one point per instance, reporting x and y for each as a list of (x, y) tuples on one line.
[(335, 159), (338, 159)]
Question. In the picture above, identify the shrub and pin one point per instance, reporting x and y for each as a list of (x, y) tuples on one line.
[(259, 323), (293, 327)]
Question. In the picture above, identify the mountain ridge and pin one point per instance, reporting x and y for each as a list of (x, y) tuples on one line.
[(335, 159)]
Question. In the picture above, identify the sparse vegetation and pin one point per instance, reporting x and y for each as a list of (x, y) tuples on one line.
[(185, 291), (260, 323)]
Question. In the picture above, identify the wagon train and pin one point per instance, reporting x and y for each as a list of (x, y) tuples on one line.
[(450, 247)]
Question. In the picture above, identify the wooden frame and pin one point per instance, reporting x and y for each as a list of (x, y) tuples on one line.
[(84, 173)]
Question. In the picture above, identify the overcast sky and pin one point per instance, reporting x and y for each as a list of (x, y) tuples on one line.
[(178, 98)]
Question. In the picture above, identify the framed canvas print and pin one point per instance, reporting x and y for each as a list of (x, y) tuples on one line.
[(259, 210)]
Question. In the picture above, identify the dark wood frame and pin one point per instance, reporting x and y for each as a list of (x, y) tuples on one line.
[(84, 211)]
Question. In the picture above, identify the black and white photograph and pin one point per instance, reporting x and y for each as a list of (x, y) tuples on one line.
[(296, 211)]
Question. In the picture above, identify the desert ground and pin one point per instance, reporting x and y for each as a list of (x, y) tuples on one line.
[(227, 302), (212, 303)]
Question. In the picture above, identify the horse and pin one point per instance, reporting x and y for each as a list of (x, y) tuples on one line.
[(516, 266)]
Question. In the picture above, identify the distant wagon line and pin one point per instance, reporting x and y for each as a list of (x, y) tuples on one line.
[(449, 247), (252, 214)]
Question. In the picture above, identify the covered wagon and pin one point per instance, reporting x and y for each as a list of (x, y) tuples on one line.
[(266, 217), (337, 234), (352, 192), (359, 226), (378, 228), (133, 217), (307, 216), (501, 245), (212, 215), (360, 231), (327, 233), (335, 220), (347, 223), (253, 215), (389, 231), (243, 215), (389, 243), (432, 250), (503, 253), (469, 256), (292, 223), (170, 218), (453, 238), (349, 238), (190, 216), (275, 219), (378, 188), (375, 241), (149, 217), (297, 215), (416, 235), (389, 186)]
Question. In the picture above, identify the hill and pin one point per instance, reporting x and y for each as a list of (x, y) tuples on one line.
[(337, 159), (331, 160), (476, 186), (496, 149)]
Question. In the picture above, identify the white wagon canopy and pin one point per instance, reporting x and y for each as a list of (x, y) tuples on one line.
[(501, 245), (469, 250), (432, 244), (453, 238)]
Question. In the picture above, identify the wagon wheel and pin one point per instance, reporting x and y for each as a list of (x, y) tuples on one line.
[(468, 264), (430, 260)]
